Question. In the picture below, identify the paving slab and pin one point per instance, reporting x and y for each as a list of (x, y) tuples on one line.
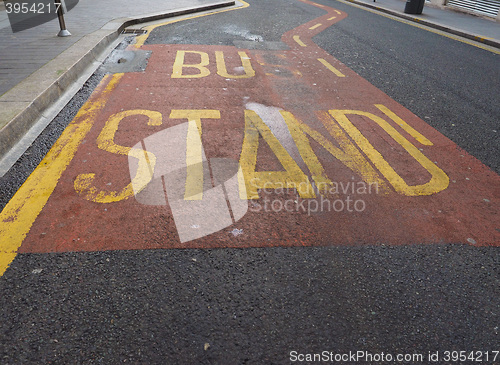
[(93, 30)]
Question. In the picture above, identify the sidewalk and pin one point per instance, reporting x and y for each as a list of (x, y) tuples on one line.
[(24, 52), (37, 67)]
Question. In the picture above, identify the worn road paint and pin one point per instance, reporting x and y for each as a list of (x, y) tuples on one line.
[(20, 213), (140, 40), (84, 183), (355, 148), (296, 38), (331, 68)]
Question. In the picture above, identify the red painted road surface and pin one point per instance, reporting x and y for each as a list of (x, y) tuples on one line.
[(391, 178)]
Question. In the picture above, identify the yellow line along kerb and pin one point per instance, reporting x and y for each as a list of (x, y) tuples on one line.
[(20, 213), (142, 38), (424, 27), (18, 216)]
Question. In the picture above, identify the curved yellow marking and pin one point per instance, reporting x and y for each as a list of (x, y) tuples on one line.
[(179, 65), (296, 38), (142, 38), (439, 180), (84, 183), (19, 214), (245, 62)]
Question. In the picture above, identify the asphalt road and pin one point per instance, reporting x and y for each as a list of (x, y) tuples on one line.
[(257, 305), (451, 85)]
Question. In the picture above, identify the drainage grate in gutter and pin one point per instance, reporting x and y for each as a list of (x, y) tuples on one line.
[(134, 31)]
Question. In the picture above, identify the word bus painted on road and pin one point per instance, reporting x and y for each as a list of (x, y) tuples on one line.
[(201, 70)]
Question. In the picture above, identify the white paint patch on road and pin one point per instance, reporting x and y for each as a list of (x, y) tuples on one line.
[(245, 33), (272, 117)]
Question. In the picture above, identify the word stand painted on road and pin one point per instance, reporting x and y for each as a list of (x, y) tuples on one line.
[(337, 123)]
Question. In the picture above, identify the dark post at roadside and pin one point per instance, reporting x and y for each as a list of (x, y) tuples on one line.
[(60, 14)]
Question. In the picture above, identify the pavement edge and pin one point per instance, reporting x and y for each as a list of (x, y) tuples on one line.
[(444, 28), (25, 104)]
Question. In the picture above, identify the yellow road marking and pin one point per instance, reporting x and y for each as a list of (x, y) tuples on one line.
[(293, 177), (338, 12), (201, 67), (296, 38), (194, 163), (331, 68), (20, 213), (346, 153), (84, 183), (306, 152), (245, 62), (412, 132), (194, 148), (439, 180), (333, 17), (179, 65), (315, 26), (142, 38)]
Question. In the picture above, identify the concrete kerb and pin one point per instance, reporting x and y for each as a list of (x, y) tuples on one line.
[(444, 28), (22, 107)]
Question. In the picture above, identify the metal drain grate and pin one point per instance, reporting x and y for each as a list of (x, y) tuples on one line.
[(134, 31)]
